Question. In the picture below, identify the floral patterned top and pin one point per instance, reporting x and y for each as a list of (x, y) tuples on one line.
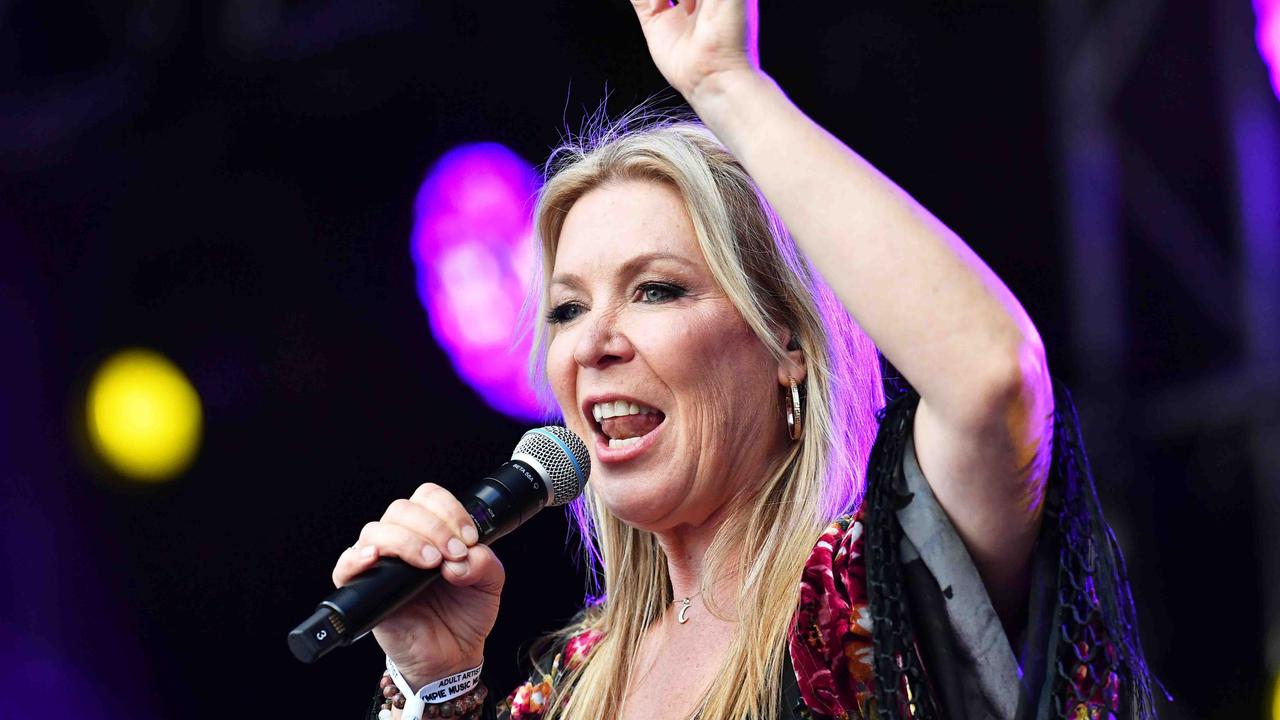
[(830, 641), (530, 699)]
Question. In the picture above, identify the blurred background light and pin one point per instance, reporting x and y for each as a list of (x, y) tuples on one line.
[(33, 669), (473, 249), (144, 416), (1275, 698), (1269, 38)]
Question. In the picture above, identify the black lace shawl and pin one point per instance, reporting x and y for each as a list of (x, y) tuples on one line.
[(1082, 651)]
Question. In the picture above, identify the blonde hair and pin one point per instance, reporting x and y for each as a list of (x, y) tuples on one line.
[(772, 530)]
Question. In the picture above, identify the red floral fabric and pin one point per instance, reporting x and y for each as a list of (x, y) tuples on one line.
[(830, 640), (529, 700)]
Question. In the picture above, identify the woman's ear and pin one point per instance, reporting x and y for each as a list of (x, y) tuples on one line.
[(792, 365)]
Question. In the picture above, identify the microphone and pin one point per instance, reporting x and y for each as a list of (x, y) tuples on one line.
[(549, 466)]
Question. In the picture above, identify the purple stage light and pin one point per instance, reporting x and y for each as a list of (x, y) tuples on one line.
[(1269, 37), (34, 672), (473, 249)]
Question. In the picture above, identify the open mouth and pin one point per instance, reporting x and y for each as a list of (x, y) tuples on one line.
[(624, 422)]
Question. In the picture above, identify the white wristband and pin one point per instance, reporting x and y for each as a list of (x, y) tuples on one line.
[(440, 691)]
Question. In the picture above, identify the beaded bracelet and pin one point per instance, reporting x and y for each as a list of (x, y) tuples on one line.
[(459, 707)]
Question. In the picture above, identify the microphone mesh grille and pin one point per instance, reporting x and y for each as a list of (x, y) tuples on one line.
[(565, 457)]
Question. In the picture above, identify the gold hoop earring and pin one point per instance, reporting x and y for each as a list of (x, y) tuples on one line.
[(795, 417)]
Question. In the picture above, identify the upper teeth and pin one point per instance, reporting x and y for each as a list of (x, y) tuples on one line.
[(605, 410)]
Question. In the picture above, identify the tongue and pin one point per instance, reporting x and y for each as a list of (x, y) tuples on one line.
[(629, 426)]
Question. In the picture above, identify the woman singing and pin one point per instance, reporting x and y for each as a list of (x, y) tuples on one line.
[(769, 546)]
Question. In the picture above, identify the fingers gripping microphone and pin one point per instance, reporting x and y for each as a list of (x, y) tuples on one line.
[(549, 466)]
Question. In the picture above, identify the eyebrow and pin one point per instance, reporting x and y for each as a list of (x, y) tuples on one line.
[(629, 268)]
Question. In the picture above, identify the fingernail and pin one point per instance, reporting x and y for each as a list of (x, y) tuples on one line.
[(368, 551), (456, 548), (469, 534), (457, 568), (430, 555)]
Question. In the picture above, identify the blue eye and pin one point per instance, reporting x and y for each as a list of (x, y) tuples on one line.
[(654, 293), (564, 312)]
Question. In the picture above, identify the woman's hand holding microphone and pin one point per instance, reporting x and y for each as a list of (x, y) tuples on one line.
[(442, 631)]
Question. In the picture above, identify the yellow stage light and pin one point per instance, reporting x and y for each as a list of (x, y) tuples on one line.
[(1275, 698), (144, 415)]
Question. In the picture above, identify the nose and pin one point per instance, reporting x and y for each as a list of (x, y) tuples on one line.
[(602, 343)]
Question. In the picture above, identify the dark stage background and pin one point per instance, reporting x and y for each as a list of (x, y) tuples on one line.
[(232, 182)]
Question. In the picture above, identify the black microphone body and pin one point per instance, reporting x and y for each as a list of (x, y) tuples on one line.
[(498, 504)]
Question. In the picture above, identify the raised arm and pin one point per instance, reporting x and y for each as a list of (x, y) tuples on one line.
[(983, 430)]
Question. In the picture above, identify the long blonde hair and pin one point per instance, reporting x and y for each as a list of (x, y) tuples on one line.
[(771, 532)]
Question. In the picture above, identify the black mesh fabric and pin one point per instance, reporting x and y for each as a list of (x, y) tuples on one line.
[(1095, 668), (1098, 668), (901, 687)]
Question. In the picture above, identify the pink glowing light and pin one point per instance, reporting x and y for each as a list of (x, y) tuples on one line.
[(473, 248), (1269, 37)]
